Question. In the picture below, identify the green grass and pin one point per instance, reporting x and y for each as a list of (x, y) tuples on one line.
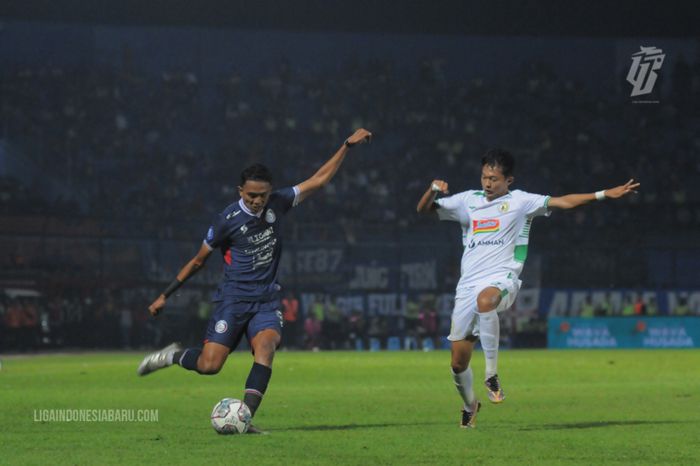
[(562, 407)]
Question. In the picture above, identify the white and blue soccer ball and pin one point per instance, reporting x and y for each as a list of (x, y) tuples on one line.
[(230, 416)]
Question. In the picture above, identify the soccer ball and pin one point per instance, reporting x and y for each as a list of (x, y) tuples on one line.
[(230, 416)]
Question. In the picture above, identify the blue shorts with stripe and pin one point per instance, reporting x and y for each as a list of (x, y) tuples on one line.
[(231, 320)]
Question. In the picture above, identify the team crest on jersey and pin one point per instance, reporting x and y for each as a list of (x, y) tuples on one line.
[(244, 229), (221, 326), (504, 207), (489, 225), (270, 216)]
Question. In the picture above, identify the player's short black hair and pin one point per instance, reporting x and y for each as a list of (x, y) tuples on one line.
[(499, 158), (256, 172)]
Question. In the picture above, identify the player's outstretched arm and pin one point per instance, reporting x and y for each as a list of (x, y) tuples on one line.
[(191, 268), (574, 200), (328, 170), (427, 201)]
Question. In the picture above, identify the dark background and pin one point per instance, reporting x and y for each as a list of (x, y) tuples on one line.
[(125, 125)]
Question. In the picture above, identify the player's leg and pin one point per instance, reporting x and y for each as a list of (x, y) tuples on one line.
[(464, 379), (464, 322), (264, 344), (265, 336), (206, 361), (489, 333), (498, 296), (224, 332)]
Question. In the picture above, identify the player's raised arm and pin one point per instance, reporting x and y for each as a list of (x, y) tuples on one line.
[(574, 200), (191, 268), (427, 201), (327, 171)]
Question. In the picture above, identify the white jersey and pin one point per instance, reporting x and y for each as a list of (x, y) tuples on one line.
[(494, 233)]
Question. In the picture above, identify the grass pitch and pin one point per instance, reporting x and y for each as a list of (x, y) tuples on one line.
[(562, 407)]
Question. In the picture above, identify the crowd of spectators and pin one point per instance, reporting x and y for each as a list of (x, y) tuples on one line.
[(156, 156), (130, 145)]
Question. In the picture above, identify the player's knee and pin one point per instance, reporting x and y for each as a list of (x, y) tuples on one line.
[(487, 302), (208, 367), (458, 367)]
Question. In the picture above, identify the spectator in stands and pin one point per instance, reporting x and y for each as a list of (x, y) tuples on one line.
[(681, 309), (290, 314), (411, 320), (628, 307), (587, 310), (428, 325), (332, 327), (651, 308), (640, 305), (312, 330)]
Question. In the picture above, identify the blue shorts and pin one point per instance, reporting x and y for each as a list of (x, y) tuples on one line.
[(232, 319)]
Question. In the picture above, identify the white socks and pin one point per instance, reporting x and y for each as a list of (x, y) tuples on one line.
[(464, 383), (489, 334)]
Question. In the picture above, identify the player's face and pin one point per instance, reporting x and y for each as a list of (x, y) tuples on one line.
[(255, 194), (493, 182)]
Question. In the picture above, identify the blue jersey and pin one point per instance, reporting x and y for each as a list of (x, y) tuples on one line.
[(252, 246)]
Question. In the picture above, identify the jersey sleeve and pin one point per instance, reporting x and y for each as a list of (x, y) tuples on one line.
[(218, 233), (287, 197), (453, 207), (535, 205)]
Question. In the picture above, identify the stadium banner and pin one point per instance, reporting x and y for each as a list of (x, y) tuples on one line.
[(563, 302), (623, 332)]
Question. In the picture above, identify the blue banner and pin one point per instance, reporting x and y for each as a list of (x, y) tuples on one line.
[(624, 332)]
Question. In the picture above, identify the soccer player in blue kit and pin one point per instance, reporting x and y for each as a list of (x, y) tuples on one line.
[(248, 299)]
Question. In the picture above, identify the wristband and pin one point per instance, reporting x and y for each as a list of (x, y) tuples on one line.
[(600, 195), (174, 285), (348, 144)]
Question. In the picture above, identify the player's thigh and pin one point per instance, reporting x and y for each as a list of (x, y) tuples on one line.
[(465, 318), (228, 324)]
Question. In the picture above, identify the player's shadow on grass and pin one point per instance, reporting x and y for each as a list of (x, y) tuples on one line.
[(592, 425), (355, 426)]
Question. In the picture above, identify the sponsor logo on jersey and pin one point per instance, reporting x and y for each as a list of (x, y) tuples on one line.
[(261, 237), (270, 216), (486, 242), (221, 326), (244, 229), (504, 207), (232, 214), (489, 225)]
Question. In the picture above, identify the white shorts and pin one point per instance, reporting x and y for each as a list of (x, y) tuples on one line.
[(465, 316)]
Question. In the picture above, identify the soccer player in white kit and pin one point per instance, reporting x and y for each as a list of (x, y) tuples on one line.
[(495, 229)]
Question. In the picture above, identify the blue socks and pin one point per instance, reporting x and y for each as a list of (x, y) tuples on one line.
[(255, 386), (187, 358)]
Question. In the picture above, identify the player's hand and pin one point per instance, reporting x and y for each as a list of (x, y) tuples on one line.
[(157, 306), (358, 137), (625, 189), (439, 186)]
